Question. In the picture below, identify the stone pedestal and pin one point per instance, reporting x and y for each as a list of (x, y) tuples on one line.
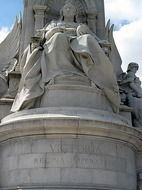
[(139, 168), (74, 95), (68, 148), (126, 112)]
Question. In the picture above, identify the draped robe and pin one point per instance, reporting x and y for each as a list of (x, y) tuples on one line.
[(64, 56)]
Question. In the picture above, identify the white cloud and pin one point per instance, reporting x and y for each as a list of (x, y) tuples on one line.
[(123, 10), (128, 37), (3, 33), (128, 40)]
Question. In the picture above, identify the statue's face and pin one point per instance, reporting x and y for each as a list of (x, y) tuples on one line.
[(134, 69), (69, 10)]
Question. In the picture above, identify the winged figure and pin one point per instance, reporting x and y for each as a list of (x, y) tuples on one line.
[(9, 48)]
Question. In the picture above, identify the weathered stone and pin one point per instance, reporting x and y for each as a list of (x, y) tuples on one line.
[(69, 134)]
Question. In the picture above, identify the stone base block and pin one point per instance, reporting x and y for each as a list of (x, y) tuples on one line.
[(58, 151), (75, 96)]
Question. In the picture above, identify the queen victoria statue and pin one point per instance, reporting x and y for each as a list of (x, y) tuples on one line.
[(64, 52), (70, 117)]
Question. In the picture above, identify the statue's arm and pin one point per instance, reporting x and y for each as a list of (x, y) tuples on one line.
[(130, 77), (53, 31)]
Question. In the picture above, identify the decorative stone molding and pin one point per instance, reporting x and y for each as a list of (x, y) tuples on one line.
[(70, 121), (68, 148)]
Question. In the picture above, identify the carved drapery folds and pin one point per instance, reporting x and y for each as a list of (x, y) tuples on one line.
[(38, 13)]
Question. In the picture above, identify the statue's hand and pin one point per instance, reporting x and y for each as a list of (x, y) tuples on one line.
[(58, 29), (53, 31), (83, 29)]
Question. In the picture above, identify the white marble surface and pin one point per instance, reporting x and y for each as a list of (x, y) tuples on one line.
[(68, 151)]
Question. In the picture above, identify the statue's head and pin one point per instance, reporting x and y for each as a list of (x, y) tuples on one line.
[(69, 10), (35, 42), (133, 67)]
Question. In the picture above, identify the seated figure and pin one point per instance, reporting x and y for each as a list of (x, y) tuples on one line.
[(130, 85), (66, 52)]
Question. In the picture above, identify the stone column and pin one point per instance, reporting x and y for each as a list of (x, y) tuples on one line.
[(92, 19), (39, 14), (100, 24)]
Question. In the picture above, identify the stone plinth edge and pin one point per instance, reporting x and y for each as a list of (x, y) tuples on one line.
[(60, 187), (70, 121)]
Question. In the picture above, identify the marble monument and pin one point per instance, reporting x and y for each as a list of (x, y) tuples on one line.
[(70, 117)]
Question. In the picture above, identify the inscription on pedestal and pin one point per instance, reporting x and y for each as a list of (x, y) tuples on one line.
[(75, 146), (79, 161)]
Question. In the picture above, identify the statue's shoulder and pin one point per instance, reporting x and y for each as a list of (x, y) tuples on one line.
[(51, 24)]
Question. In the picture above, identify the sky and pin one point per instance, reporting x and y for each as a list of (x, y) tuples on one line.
[(126, 15)]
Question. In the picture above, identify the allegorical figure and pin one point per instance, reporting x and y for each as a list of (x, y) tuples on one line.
[(64, 52), (131, 85)]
